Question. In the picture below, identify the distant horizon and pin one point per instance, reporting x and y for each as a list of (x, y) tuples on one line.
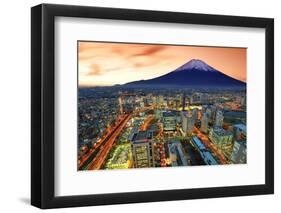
[(102, 64)]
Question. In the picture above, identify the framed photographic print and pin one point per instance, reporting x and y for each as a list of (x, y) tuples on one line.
[(140, 106)]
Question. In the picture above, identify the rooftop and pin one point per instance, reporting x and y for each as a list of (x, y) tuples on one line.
[(241, 127), (175, 148), (241, 142), (168, 114), (198, 143), (142, 136), (220, 131), (235, 114), (209, 159)]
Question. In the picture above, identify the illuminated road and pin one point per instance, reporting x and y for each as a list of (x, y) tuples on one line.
[(210, 145), (98, 161), (98, 149), (146, 123), (97, 155)]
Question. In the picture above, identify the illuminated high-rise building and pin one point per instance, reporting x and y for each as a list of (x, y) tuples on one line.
[(159, 101), (219, 118), (187, 122), (240, 131), (239, 152), (195, 114), (120, 100), (209, 113), (223, 139), (183, 101), (142, 149), (243, 100), (158, 114), (177, 104), (204, 123), (154, 100), (169, 121)]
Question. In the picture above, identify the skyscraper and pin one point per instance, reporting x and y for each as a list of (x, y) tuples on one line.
[(169, 121), (154, 100), (240, 131), (219, 118), (142, 149), (187, 122), (204, 122), (195, 114), (223, 140), (183, 101), (209, 113), (243, 100), (120, 100), (159, 101), (239, 152)]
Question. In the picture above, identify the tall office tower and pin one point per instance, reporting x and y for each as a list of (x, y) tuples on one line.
[(243, 100), (219, 118), (159, 101), (240, 131), (154, 101), (183, 101), (209, 113), (184, 121), (169, 121), (146, 101), (177, 104), (120, 100), (142, 149), (204, 123), (239, 152), (158, 113), (191, 99), (223, 139), (213, 112), (187, 122), (195, 114)]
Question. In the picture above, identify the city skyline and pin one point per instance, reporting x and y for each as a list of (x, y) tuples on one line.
[(144, 128), (152, 106), (132, 62)]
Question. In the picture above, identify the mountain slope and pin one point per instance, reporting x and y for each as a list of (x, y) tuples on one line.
[(195, 73)]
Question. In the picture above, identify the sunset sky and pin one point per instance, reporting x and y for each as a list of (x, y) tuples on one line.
[(105, 64)]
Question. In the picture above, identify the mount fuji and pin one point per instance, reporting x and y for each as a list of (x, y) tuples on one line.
[(194, 74)]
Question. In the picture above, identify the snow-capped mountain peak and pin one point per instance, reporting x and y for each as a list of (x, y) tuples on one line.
[(196, 64)]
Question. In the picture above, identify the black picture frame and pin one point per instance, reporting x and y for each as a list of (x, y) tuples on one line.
[(43, 102)]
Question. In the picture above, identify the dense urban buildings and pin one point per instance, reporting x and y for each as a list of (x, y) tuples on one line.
[(122, 128)]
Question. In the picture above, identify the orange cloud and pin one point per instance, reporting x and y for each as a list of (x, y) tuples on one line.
[(94, 70), (148, 51), (117, 63)]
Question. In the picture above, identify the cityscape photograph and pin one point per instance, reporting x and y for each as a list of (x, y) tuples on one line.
[(156, 105)]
